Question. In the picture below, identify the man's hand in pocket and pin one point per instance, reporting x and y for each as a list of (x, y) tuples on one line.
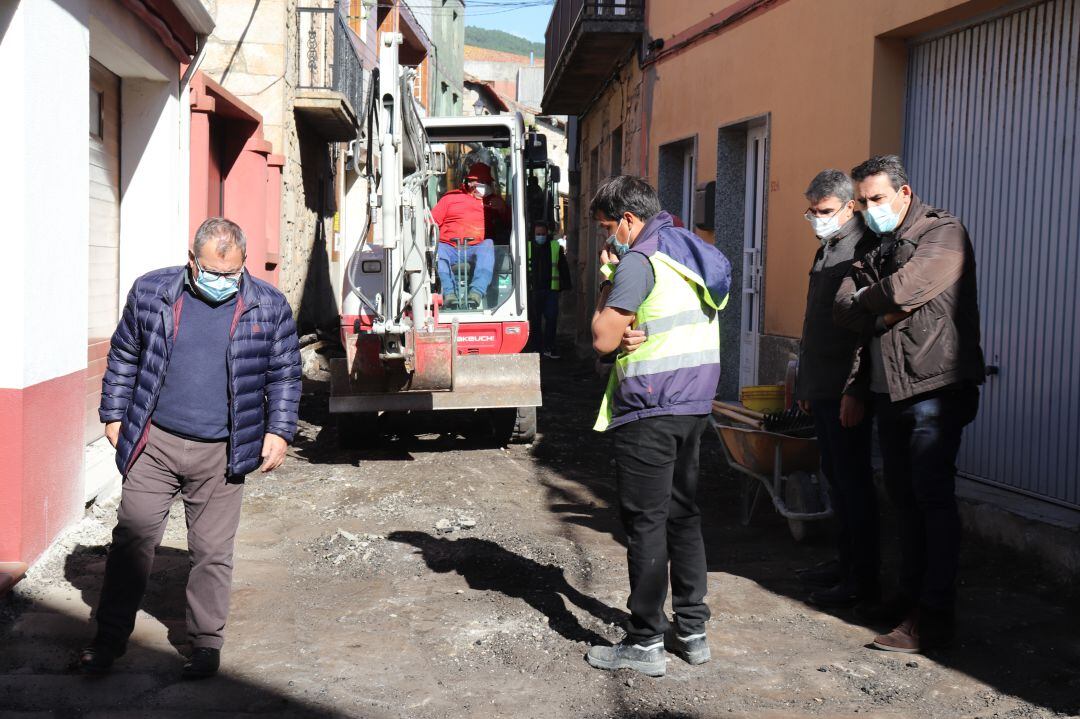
[(112, 433)]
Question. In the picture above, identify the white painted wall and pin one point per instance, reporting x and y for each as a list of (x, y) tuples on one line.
[(44, 181), (44, 177), (154, 143), (151, 233)]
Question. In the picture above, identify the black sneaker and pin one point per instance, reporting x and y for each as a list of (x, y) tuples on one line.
[(98, 658), (646, 657), (844, 594), (825, 574), (691, 648), (204, 663)]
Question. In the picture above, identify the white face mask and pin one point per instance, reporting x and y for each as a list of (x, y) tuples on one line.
[(825, 227), (482, 190)]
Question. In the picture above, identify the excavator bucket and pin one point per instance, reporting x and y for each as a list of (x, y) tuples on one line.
[(477, 382), (432, 360)]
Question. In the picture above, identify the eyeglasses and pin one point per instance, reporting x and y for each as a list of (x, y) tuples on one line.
[(227, 275), (810, 215)]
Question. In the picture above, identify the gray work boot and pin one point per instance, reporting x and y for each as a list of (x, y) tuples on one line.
[(691, 648), (646, 657)]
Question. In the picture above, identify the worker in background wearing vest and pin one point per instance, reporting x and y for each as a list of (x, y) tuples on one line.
[(549, 274), (664, 286)]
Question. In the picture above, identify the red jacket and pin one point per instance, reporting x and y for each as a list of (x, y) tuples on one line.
[(460, 214)]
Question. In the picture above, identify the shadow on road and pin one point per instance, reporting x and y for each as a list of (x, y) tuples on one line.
[(41, 640), (399, 435), (486, 566), (84, 568)]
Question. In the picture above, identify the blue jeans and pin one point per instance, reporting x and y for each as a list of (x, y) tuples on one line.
[(845, 462), (480, 257), (920, 438)]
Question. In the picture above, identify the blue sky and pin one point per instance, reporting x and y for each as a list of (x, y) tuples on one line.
[(528, 22)]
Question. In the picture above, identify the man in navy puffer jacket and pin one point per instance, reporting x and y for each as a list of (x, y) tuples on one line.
[(202, 387)]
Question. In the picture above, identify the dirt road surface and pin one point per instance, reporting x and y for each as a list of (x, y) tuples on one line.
[(348, 601)]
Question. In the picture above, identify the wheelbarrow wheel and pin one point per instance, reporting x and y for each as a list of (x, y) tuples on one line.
[(801, 495), (748, 499)]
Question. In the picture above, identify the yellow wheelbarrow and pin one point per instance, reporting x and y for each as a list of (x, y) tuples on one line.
[(786, 466)]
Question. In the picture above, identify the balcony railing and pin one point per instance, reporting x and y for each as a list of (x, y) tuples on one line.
[(569, 13), (325, 56), (573, 65)]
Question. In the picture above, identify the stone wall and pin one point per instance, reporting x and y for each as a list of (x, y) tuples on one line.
[(253, 54), (247, 53)]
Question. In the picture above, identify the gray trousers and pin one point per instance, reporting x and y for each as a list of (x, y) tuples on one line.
[(169, 465)]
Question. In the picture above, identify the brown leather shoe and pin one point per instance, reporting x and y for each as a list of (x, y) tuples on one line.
[(905, 638)]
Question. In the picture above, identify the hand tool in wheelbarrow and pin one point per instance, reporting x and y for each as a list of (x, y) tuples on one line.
[(792, 422)]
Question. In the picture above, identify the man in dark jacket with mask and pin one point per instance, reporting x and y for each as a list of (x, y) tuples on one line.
[(914, 296), (202, 387), (826, 354)]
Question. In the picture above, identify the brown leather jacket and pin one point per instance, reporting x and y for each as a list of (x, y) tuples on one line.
[(925, 268)]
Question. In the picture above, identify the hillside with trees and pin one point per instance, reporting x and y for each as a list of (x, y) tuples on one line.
[(504, 41)]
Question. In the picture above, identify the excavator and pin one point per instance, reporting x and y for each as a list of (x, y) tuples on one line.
[(408, 347)]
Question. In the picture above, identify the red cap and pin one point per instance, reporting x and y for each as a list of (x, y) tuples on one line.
[(480, 172)]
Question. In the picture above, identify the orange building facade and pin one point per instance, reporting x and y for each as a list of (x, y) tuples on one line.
[(731, 108)]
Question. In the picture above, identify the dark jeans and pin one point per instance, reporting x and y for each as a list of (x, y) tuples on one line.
[(920, 438), (845, 462), (656, 462), (543, 321)]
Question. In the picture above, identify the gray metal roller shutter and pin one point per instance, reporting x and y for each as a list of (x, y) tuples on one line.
[(991, 126)]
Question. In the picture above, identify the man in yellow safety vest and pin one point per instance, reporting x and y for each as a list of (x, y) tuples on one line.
[(549, 274), (659, 301)]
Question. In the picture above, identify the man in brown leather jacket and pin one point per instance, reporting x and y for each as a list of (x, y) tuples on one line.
[(826, 352), (913, 295)]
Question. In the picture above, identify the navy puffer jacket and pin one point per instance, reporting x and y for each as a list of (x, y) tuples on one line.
[(263, 364)]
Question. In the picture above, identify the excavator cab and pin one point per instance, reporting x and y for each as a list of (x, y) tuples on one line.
[(481, 277), (476, 271)]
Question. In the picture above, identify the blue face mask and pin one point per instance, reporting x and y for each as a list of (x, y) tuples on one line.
[(541, 239), (881, 219), (617, 247), (215, 288)]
